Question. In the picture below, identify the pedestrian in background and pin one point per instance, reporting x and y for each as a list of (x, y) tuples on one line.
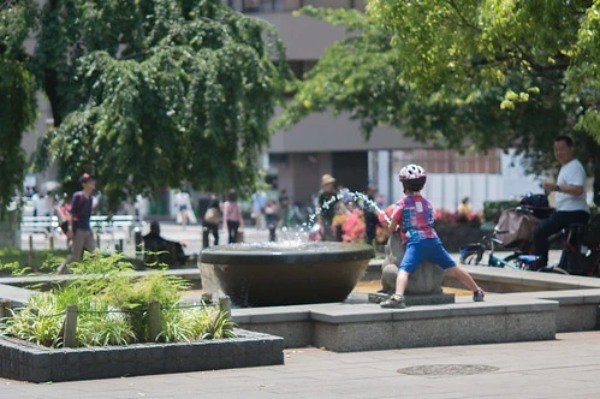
[(284, 207), (233, 221), (185, 213), (328, 201), (78, 218), (259, 202), (212, 218)]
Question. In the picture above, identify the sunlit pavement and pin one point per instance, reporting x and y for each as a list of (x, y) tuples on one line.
[(566, 367)]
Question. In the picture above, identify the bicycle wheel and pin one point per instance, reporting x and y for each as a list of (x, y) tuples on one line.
[(471, 257)]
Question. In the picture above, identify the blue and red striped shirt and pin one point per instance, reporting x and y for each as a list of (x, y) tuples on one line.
[(414, 215)]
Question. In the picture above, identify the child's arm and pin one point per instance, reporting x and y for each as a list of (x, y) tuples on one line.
[(392, 221)]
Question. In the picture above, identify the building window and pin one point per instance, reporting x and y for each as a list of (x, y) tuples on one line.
[(278, 159)]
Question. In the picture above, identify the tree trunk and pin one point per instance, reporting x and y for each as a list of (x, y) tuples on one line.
[(596, 185)]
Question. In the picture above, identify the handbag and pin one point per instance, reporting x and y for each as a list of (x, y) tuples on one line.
[(212, 216), (64, 226)]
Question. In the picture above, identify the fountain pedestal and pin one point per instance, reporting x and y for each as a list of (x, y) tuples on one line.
[(424, 285)]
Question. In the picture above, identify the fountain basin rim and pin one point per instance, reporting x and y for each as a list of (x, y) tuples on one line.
[(234, 254)]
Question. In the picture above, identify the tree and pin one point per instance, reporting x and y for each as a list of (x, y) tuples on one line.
[(156, 93), (489, 73), (17, 95)]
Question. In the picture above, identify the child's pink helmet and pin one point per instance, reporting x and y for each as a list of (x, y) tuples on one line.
[(413, 177)]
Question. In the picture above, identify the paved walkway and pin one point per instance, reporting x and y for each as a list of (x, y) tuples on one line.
[(566, 367)]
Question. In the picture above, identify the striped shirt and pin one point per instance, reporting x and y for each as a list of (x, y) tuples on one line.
[(414, 215)]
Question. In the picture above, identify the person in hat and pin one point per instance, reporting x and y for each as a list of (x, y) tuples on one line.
[(328, 203), (79, 230)]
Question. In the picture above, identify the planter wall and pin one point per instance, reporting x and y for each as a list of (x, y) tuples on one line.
[(20, 360)]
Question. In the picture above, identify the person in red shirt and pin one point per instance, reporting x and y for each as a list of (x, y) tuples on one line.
[(413, 216)]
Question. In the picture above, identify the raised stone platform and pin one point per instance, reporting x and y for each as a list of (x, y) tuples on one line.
[(578, 297), (357, 325)]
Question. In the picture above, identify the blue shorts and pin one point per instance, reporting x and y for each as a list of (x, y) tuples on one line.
[(431, 250)]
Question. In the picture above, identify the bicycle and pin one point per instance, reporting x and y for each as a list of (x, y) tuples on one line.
[(579, 256), (472, 254)]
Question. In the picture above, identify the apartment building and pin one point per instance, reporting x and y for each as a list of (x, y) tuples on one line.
[(322, 143)]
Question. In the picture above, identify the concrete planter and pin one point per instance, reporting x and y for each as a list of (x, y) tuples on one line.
[(20, 360)]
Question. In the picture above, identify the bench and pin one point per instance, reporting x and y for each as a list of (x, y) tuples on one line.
[(110, 224), (39, 224)]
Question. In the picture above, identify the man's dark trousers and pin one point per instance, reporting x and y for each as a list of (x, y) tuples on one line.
[(556, 222)]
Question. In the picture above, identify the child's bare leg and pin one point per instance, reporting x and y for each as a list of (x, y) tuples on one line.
[(401, 282), (463, 276), (397, 300)]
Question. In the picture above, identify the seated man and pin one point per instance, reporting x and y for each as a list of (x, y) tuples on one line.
[(159, 249), (571, 205)]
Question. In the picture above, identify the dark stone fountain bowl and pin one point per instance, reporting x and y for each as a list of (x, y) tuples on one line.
[(284, 273)]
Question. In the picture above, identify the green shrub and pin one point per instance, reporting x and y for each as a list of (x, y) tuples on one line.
[(113, 307), (15, 261)]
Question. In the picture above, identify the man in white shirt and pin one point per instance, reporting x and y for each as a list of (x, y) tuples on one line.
[(571, 205)]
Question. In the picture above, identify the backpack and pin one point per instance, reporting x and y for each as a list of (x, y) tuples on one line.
[(538, 205), (535, 200)]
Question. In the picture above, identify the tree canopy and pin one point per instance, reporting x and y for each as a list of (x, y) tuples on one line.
[(154, 93), (466, 75), (17, 95)]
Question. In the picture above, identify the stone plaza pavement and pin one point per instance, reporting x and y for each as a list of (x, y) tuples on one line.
[(566, 367)]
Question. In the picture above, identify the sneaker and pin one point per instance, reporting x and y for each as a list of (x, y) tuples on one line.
[(394, 302), (478, 296)]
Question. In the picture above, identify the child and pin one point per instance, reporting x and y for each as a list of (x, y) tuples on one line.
[(414, 217)]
